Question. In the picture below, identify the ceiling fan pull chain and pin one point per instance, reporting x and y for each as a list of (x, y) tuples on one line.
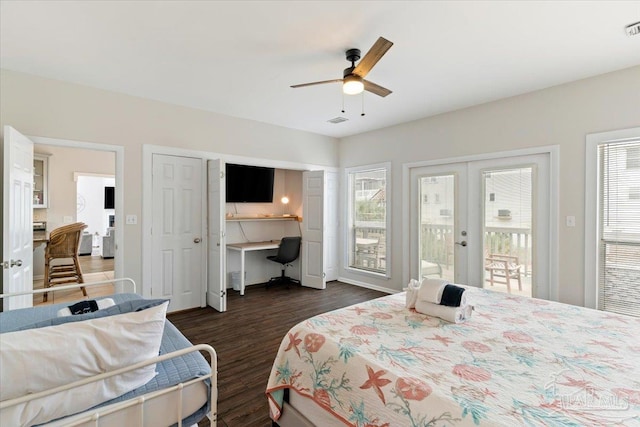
[(362, 114), (342, 100)]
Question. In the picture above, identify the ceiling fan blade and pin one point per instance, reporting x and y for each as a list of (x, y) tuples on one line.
[(377, 89), (317, 83), (379, 48)]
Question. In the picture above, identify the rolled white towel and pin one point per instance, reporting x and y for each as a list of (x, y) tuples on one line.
[(450, 314), (431, 290), (412, 293), (102, 303)]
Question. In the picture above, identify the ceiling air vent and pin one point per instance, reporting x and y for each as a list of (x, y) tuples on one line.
[(338, 120), (633, 29)]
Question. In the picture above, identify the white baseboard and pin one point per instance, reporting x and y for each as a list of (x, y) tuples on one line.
[(367, 285)]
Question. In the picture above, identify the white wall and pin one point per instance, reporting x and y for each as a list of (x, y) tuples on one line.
[(561, 115), (44, 107)]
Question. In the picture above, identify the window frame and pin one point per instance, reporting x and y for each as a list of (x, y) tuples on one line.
[(349, 212), (592, 215)]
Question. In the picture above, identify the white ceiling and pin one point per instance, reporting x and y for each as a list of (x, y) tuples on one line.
[(239, 58)]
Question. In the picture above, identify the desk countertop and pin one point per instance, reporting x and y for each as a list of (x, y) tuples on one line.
[(247, 246)]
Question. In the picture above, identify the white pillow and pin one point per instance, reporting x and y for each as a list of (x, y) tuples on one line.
[(40, 359)]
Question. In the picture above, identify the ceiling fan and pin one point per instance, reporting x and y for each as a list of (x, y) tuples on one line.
[(353, 82)]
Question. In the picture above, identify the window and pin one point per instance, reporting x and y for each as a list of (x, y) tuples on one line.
[(369, 220), (633, 157), (619, 227)]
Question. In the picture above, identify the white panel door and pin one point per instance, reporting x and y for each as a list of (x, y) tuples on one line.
[(217, 289), (331, 226), (17, 223), (177, 257), (313, 274)]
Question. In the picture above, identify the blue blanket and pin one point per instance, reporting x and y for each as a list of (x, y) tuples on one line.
[(170, 372)]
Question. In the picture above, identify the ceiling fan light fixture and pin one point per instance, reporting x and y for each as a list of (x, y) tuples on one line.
[(352, 85)]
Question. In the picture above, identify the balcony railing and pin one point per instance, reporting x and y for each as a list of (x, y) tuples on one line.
[(436, 243)]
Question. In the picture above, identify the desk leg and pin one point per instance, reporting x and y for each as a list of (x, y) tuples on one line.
[(242, 272)]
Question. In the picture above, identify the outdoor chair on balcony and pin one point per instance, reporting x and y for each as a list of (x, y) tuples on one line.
[(430, 269), (503, 268), (367, 253)]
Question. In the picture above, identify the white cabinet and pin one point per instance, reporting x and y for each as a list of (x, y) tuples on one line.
[(40, 181)]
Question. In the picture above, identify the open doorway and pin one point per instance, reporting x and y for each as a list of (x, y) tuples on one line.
[(78, 175), (95, 207)]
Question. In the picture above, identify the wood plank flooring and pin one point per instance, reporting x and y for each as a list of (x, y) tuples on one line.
[(247, 336)]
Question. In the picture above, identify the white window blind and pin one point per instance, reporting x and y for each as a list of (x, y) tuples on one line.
[(619, 227)]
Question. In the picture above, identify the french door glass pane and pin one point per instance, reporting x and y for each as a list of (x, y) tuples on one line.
[(437, 214), (508, 241)]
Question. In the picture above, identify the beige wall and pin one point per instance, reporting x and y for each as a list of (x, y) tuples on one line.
[(63, 162), (561, 115), (43, 107)]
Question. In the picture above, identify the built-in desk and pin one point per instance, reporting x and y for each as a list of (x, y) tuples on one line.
[(250, 246), (237, 217)]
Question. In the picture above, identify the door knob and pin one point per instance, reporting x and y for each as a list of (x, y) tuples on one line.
[(463, 243), (17, 263), (197, 240)]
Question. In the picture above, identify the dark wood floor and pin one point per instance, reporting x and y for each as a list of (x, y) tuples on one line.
[(247, 337)]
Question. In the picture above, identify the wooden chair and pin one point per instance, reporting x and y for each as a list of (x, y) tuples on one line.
[(63, 245), (504, 267)]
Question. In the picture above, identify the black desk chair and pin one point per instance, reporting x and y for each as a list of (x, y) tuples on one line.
[(288, 251)]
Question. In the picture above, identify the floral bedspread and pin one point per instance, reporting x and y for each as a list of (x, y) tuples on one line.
[(517, 361)]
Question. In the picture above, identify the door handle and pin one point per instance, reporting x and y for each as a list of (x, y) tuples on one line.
[(16, 263), (197, 240), (463, 243)]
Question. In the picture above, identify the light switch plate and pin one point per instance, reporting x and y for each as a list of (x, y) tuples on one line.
[(131, 219), (571, 221), (67, 219)]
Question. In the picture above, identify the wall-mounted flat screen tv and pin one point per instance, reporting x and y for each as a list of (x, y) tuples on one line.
[(249, 184), (109, 198)]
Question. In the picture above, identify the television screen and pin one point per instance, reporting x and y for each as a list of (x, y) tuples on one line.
[(109, 198), (249, 184)]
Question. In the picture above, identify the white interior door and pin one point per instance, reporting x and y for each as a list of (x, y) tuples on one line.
[(312, 252), (17, 223), (330, 237), (217, 289), (177, 227)]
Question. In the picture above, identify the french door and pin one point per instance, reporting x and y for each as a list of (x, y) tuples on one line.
[(484, 223)]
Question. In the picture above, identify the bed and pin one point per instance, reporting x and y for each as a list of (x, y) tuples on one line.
[(179, 387), (516, 361)]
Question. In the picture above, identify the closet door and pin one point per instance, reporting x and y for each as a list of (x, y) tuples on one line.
[(312, 252), (217, 289), (178, 255)]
